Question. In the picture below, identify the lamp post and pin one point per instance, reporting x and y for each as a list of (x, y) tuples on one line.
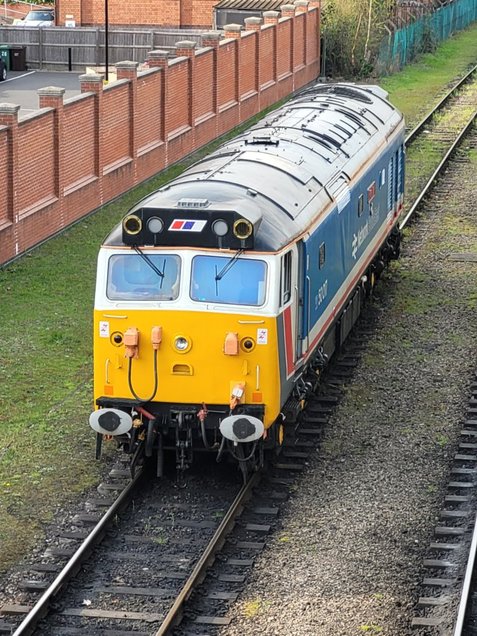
[(106, 37)]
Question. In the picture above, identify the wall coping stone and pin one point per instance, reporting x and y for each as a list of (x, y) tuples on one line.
[(127, 65), (91, 77), (186, 44), (9, 109), (52, 91)]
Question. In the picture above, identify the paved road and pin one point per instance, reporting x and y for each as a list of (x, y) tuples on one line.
[(21, 87)]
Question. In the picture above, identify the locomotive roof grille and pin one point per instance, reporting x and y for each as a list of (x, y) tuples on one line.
[(348, 133), (344, 91), (193, 203), (266, 140)]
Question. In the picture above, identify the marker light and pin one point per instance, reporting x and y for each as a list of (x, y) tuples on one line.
[(155, 225), (243, 229), (132, 224), (220, 227)]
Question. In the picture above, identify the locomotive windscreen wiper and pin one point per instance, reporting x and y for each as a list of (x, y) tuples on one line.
[(155, 269), (227, 266), (225, 269)]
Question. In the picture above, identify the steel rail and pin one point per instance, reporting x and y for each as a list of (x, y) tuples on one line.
[(175, 613), (415, 132), (437, 171), (464, 599), (40, 609)]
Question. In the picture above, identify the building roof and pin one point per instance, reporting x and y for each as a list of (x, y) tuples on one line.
[(250, 5)]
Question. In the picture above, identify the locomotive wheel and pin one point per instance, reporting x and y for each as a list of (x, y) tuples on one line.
[(99, 444), (160, 456), (137, 458), (150, 437)]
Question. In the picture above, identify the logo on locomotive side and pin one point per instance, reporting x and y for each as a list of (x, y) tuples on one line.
[(359, 239), (187, 225)]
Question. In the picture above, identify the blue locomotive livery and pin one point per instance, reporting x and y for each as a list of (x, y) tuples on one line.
[(221, 296)]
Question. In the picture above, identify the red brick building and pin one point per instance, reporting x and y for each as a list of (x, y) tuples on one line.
[(172, 13)]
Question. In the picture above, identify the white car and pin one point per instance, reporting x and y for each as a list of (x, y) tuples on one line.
[(38, 18)]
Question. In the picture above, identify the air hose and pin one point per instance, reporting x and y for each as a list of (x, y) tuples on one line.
[(155, 380)]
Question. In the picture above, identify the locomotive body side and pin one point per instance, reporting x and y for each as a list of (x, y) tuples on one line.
[(222, 296)]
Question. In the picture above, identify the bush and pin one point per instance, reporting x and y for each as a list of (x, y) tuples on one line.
[(351, 33)]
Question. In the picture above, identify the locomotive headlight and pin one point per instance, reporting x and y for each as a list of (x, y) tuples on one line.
[(182, 344), (220, 227), (132, 224), (243, 229), (155, 225)]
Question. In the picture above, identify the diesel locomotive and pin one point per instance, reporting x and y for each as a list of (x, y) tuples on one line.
[(221, 296)]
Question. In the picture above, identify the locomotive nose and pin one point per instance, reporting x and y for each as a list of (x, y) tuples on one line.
[(242, 428), (110, 421)]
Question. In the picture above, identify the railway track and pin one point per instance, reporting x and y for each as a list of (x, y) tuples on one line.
[(143, 577), (214, 544), (433, 141), (447, 597)]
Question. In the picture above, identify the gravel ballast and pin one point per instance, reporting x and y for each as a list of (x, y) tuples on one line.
[(349, 557)]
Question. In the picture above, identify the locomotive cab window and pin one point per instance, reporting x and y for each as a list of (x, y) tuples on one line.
[(228, 280), (285, 279), (143, 277)]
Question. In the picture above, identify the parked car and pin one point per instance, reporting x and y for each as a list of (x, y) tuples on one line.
[(38, 18), (3, 70)]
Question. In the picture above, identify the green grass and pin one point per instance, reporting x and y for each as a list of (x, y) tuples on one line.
[(46, 445), (416, 87)]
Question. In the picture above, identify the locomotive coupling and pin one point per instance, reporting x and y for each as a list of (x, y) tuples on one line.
[(241, 428), (110, 421)]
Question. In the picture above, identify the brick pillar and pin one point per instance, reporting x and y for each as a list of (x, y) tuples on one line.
[(270, 17), (301, 6), (255, 24), (128, 71), (232, 31), (186, 48), (314, 4), (160, 59), (212, 40), (288, 10), (9, 118), (52, 97), (93, 83)]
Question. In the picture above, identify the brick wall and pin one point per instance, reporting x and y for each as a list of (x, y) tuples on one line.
[(86, 150)]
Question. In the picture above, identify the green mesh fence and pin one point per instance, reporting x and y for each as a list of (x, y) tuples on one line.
[(403, 45)]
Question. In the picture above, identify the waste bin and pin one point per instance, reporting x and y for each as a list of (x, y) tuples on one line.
[(5, 54), (18, 58)]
